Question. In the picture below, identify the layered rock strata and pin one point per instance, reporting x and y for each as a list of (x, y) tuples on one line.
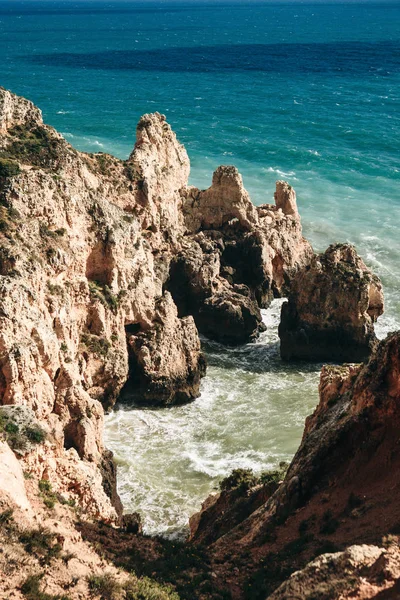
[(331, 310)]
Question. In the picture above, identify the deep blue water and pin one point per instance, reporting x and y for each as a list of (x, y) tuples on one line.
[(305, 92), (308, 93)]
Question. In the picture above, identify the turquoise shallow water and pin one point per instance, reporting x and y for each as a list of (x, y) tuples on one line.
[(308, 93)]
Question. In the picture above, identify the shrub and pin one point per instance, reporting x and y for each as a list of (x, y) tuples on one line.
[(105, 586), (6, 516), (55, 289), (44, 485), (274, 476), (18, 434), (11, 433), (11, 427), (35, 434), (36, 146), (31, 589), (242, 479), (48, 496), (9, 168), (41, 543), (147, 589), (103, 293), (97, 345)]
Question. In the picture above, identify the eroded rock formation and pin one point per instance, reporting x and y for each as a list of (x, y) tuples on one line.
[(332, 307), (108, 269), (361, 572), (94, 255)]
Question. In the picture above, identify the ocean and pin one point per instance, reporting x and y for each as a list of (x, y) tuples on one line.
[(298, 91)]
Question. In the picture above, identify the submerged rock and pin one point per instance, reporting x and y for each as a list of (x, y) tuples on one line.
[(332, 307)]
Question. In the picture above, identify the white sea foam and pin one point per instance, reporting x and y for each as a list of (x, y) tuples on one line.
[(250, 415), (280, 172)]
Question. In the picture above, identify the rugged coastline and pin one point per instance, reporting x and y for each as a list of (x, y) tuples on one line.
[(109, 271)]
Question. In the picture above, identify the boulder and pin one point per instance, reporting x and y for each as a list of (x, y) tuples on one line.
[(363, 571), (231, 316)]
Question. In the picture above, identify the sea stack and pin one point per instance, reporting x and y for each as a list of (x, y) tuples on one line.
[(331, 309)]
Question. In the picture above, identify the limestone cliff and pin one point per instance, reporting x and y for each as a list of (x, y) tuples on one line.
[(90, 252)]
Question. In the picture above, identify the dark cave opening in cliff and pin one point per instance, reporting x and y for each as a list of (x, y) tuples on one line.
[(131, 388)]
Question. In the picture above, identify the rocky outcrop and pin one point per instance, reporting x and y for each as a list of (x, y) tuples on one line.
[(165, 361), (236, 257), (231, 316), (358, 572), (12, 486), (241, 493), (226, 200), (14, 113), (332, 307), (285, 198), (108, 269)]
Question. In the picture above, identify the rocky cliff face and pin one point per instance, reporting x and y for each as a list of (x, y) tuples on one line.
[(95, 257)]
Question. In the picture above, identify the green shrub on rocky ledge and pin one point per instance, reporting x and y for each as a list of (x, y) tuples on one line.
[(274, 476), (36, 146), (147, 589), (108, 588), (19, 428), (244, 479), (47, 494), (105, 586), (42, 543), (97, 345), (9, 168), (103, 293), (31, 589)]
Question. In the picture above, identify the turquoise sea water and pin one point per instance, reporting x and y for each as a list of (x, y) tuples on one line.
[(305, 92)]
